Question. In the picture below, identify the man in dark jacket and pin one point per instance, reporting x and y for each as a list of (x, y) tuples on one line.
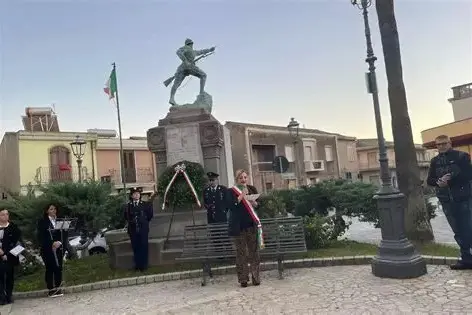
[(450, 173), (214, 200), (138, 214)]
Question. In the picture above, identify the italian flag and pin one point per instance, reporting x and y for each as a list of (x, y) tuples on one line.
[(110, 86)]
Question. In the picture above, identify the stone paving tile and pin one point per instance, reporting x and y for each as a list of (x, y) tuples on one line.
[(337, 290)]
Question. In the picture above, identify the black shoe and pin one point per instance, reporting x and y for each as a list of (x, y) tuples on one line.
[(9, 300), (461, 266), (51, 293), (243, 284), (254, 282)]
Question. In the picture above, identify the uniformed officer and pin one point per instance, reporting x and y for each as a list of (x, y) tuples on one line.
[(214, 200), (138, 214)]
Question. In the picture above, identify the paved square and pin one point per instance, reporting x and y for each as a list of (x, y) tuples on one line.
[(330, 290)]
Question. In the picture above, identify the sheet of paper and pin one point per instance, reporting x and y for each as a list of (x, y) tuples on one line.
[(252, 197), (62, 225), (17, 250)]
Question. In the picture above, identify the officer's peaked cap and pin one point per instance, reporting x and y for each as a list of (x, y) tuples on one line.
[(212, 175), (134, 189)]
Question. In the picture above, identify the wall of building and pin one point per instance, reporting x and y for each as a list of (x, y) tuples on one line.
[(461, 108), (347, 155), (454, 129), (107, 160), (10, 163), (34, 154)]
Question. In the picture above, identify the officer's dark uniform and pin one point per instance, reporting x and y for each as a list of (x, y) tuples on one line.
[(137, 215), (214, 201)]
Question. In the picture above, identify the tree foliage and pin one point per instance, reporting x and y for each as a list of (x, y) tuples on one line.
[(91, 202)]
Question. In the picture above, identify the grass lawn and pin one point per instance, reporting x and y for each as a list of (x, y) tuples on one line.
[(96, 268)]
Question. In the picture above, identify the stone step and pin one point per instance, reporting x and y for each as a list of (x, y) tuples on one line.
[(175, 242), (169, 255)]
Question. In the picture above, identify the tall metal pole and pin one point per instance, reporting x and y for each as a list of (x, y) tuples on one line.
[(396, 257), (122, 165), (79, 165)]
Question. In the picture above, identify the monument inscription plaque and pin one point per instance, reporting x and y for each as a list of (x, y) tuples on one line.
[(183, 143)]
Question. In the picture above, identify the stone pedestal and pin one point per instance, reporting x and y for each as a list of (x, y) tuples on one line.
[(397, 258), (192, 134)]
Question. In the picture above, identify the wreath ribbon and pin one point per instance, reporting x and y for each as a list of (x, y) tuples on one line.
[(180, 169)]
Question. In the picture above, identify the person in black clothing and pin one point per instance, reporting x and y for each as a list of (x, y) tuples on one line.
[(450, 173), (51, 250), (214, 200), (138, 214), (242, 226), (10, 238)]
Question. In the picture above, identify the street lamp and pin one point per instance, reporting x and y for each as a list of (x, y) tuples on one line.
[(78, 149), (396, 257), (294, 129)]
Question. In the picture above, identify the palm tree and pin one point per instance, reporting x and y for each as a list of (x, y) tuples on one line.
[(417, 224)]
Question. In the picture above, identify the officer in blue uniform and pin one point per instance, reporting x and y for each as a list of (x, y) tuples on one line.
[(214, 200), (138, 214)]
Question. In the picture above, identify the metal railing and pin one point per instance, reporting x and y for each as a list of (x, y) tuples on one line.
[(132, 175), (58, 174)]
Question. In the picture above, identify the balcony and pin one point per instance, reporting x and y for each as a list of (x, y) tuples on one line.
[(138, 176), (462, 91), (57, 174), (373, 166)]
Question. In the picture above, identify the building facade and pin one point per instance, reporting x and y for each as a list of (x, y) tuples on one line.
[(315, 155), (369, 165), (38, 157), (138, 162), (460, 130)]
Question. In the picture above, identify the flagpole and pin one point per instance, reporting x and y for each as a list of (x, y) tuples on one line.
[(122, 165)]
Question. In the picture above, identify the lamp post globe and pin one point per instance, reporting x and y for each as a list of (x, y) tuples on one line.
[(78, 149)]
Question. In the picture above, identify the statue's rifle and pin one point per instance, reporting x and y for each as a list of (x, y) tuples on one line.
[(169, 80)]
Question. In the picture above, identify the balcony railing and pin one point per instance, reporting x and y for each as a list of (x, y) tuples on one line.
[(140, 175), (365, 166), (57, 174), (462, 91)]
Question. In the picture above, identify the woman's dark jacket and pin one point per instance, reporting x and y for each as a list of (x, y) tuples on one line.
[(11, 238), (239, 218), (45, 231)]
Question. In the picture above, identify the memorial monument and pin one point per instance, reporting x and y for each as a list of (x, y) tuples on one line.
[(188, 132)]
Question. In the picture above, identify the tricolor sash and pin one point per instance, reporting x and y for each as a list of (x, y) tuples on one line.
[(247, 205)]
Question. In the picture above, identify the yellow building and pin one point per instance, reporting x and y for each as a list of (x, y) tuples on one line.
[(32, 157), (460, 131)]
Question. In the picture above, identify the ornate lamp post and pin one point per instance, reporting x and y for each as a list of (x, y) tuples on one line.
[(78, 149), (294, 129), (396, 257)]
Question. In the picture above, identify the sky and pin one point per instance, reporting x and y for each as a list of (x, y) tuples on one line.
[(274, 60)]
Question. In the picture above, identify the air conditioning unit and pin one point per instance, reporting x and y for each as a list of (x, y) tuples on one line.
[(105, 179), (318, 165), (314, 166)]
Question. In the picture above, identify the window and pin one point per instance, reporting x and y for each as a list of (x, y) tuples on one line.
[(372, 159), (329, 153), (59, 164), (292, 183), (263, 156), (308, 153), (268, 186), (351, 153), (289, 153), (129, 166), (348, 175), (313, 181)]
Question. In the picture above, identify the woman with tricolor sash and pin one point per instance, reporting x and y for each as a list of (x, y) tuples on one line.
[(244, 225)]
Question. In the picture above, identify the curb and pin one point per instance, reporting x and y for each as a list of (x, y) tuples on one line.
[(182, 275)]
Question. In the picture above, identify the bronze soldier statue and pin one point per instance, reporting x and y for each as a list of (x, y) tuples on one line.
[(188, 67)]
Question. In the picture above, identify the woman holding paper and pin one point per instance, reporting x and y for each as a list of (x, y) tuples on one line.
[(245, 227), (10, 236), (50, 242)]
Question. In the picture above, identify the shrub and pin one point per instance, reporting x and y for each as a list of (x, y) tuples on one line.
[(180, 194), (321, 230), (90, 202), (271, 205)]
